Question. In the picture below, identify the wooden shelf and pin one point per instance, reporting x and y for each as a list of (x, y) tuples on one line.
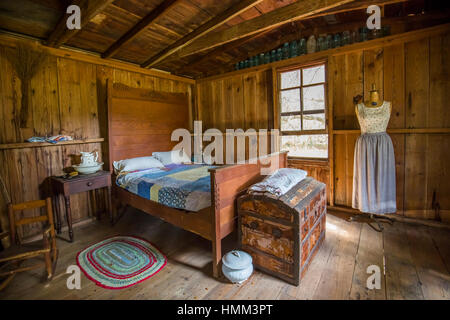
[(47, 144)]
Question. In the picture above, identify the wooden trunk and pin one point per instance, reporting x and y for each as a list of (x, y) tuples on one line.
[(282, 235)]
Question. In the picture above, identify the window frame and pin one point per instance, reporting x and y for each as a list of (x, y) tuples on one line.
[(279, 114)]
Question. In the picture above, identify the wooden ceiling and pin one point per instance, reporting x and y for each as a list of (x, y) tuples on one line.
[(197, 38)]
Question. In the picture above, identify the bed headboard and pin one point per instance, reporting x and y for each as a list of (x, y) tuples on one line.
[(141, 121)]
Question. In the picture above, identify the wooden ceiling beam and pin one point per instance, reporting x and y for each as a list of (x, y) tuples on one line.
[(293, 12), (220, 50), (212, 24), (288, 37), (141, 25), (359, 5), (89, 9)]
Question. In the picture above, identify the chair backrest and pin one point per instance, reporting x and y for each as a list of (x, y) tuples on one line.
[(15, 223)]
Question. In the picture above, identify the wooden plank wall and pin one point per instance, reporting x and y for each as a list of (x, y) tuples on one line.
[(242, 101), (238, 102), (414, 75), (69, 97)]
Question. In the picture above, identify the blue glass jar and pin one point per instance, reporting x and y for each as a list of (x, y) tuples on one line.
[(330, 42), (355, 36), (293, 49), (286, 50), (363, 34), (236, 66), (345, 38), (267, 57), (252, 62), (262, 58), (273, 56), (376, 33), (247, 63), (337, 40), (241, 65), (326, 44), (279, 54), (321, 43), (352, 37), (302, 46)]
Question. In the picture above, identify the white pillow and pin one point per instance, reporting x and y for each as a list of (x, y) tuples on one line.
[(137, 164), (172, 157)]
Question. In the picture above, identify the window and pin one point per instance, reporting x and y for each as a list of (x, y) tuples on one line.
[(303, 122)]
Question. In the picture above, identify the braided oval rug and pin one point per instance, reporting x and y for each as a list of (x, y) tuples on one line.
[(120, 262)]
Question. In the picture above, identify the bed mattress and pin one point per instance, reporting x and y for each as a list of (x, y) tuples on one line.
[(180, 186)]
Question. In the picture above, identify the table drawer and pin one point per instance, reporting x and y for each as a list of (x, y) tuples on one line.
[(91, 184)]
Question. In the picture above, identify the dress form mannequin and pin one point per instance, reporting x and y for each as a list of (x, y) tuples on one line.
[(373, 102)]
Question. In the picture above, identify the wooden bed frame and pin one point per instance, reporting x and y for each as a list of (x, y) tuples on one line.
[(141, 122)]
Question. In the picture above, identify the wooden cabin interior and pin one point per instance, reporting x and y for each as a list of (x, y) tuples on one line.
[(134, 71)]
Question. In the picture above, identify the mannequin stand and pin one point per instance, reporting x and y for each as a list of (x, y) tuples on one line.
[(371, 219)]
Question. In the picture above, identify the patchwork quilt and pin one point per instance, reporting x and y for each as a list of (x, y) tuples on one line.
[(180, 186)]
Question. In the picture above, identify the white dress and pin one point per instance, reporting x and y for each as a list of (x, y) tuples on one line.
[(374, 189)]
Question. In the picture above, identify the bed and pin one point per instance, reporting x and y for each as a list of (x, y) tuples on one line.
[(179, 186), (141, 122)]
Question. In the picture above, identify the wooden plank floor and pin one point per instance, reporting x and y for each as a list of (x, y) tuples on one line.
[(417, 260)]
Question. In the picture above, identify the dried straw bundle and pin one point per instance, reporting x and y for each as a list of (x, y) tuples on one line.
[(25, 62)]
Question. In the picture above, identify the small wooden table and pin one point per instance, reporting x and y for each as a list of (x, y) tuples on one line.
[(80, 183)]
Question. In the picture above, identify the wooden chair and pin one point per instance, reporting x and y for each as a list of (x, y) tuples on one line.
[(12, 258)]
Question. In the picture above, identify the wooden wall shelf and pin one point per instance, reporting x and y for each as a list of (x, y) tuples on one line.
[(47, 144)]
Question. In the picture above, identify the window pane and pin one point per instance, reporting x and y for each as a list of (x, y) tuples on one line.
[(314, 121), (307, 146), (290, 79), (314, 98), (290, 100), (313, 75), (290, 123)]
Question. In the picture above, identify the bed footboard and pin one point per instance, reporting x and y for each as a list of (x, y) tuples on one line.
[(228, 183)]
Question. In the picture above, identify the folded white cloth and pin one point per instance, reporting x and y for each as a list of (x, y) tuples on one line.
[(279, 182)]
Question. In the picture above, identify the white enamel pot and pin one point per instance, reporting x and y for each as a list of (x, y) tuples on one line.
[(237, 266)]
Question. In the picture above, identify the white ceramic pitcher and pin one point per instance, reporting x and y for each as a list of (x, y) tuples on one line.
[(89, 158)]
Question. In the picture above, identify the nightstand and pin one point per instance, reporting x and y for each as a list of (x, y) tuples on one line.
[(100, 180)]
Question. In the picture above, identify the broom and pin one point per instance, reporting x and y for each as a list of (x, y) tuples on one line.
[(7, 200), (25, 62)]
